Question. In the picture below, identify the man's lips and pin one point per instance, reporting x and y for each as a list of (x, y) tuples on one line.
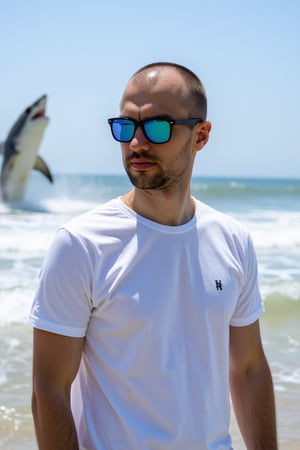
[(141, 164)]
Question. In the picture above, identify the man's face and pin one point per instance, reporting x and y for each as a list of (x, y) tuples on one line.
[(159, 93)]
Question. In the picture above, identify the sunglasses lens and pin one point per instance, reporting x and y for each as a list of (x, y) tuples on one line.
[(122, 129), (157, 131)]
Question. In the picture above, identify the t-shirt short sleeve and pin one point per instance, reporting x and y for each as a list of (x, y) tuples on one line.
[(249, 306), (63, 303)]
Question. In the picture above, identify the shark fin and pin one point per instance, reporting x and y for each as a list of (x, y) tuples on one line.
[(42, 167)]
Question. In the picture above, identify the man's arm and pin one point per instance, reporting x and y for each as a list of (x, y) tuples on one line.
[(56, 360), (252, 388)]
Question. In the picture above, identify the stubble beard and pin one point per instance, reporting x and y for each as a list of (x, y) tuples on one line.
[(145, 181), (163, 180)]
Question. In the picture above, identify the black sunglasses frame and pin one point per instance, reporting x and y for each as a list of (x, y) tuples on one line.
[(141, 123)]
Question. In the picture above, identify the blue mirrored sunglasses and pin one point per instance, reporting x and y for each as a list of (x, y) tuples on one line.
[(157, 131)]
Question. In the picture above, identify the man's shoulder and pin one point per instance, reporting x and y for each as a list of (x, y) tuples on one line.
[(210, 217), (100, 220), (104, 212)]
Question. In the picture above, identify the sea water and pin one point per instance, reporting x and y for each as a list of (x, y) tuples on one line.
[(269, 208)]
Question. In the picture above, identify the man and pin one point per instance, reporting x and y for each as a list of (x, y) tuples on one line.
[(147, 308)]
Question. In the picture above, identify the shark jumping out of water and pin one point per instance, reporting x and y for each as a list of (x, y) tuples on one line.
[(20, 151)]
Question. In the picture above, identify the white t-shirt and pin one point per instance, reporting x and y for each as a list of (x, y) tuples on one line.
[(154, 303)]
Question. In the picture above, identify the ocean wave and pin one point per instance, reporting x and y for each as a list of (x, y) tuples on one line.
[(273, 190), (284, 376), (281, 291)]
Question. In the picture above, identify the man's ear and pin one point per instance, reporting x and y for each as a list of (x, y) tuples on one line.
[(201, 134)]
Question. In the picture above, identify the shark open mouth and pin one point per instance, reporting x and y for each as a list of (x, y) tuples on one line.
[(38, 114)]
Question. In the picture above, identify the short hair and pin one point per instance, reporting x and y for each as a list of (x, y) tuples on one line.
[(194, 84)]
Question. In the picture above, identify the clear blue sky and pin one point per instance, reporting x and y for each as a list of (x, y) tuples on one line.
[(81, 53)]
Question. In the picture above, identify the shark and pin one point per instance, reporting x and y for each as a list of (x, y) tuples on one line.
[(20, 150)]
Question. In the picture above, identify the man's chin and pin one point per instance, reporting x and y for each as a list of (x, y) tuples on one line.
[(146, 183)]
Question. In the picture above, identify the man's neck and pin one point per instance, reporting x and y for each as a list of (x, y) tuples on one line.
[(166, 208)]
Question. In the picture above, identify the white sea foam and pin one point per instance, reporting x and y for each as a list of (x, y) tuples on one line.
[(16, 304), (3, 374), (282, 374), (273, 229), (26, 244), (67, 205), (281, 290)]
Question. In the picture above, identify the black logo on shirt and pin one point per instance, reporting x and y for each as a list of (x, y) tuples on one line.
[(219, 286)]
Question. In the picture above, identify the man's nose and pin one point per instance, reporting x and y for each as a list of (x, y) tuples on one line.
[(139, 141)]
